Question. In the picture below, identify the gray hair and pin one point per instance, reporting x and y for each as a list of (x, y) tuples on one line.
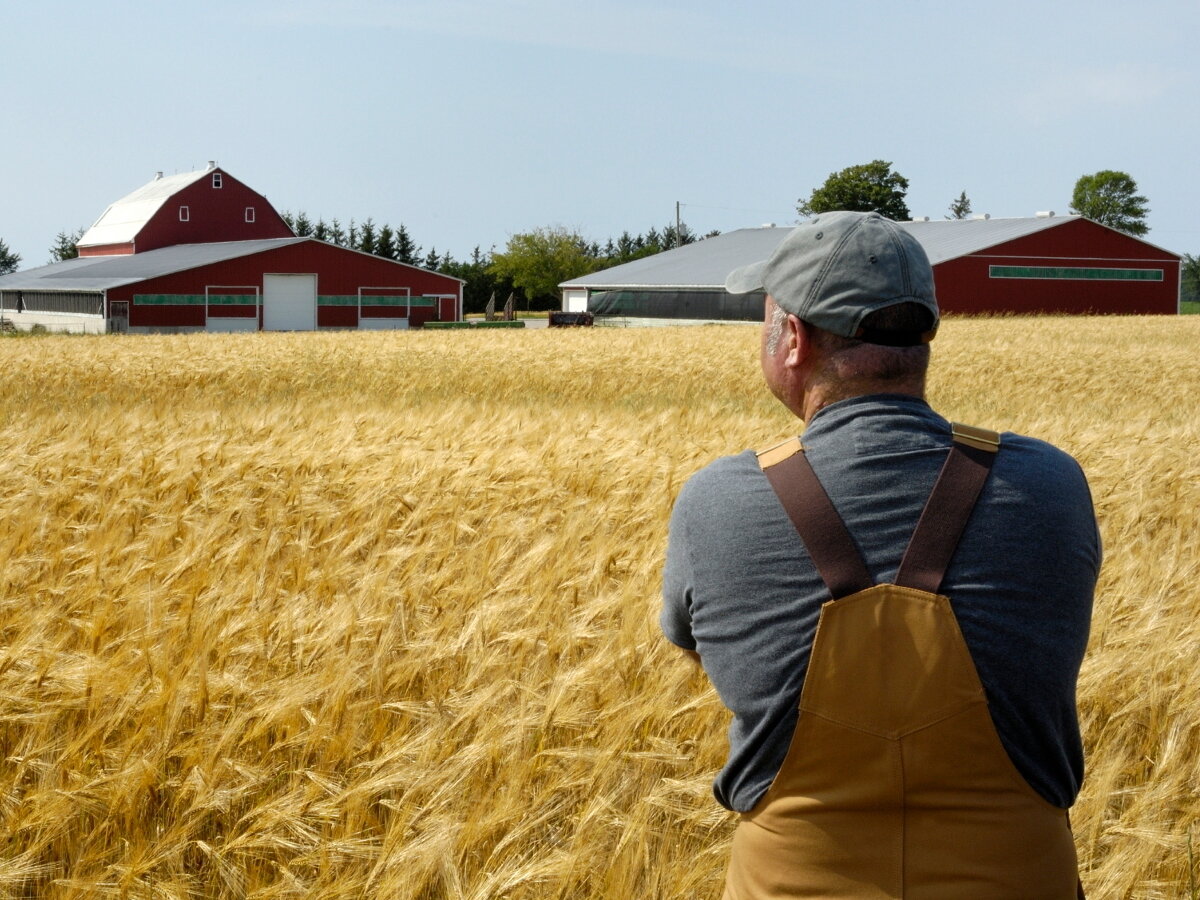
[(775, 329)]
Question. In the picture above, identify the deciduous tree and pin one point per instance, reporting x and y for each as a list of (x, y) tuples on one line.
[(1189, 288), (481, 282), (538, 261), (1111, 198), (870, 187)]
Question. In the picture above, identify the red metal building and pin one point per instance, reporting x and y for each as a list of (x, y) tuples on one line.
[(1047, 264), (203, 252), (1040, 264)]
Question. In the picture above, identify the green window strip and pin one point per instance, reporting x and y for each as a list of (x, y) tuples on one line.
[(374, 300), (194, 300), (251, 300), (168, 299), (1075, 273)]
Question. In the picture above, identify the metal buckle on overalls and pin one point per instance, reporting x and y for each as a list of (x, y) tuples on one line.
[(774, 455), (979, 438)]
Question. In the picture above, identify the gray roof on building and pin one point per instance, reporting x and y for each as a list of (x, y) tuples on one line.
[(100, 273), (705, 263)]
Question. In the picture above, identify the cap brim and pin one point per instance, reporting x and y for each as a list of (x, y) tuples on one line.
[(746, 279)]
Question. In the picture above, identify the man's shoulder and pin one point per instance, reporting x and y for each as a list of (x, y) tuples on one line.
[(724, 484), (1035, 457), (723, 470)]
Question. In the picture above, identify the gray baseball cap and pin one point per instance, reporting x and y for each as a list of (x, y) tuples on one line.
[(838, 267)]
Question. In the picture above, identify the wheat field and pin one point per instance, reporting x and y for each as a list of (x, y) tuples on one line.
[(374, 615)]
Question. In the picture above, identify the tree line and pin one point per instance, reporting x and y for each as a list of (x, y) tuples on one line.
[(531, 265)]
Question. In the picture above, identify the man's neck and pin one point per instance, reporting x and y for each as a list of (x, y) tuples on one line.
[(819, 396)]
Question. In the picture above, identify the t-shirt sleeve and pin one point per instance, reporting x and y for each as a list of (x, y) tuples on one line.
[(678, 580)]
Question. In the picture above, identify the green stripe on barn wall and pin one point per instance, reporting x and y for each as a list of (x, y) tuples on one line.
[(374, 300), (251, 300), (194, 300), (1075, 273)]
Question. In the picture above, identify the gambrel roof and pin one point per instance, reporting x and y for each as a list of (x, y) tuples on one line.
[(124, 219)]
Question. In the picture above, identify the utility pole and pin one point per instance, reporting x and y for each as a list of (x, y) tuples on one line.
[(678, 233)]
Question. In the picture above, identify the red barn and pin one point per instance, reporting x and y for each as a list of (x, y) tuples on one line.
[(203, 252), (1041, 264)]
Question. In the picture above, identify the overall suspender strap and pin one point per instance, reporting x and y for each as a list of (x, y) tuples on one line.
[(942, 521), (945, 515), (821, 529)]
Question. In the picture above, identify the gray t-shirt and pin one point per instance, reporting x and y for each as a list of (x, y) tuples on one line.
[(739, 587)]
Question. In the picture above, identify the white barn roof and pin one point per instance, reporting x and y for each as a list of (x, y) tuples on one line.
[(121, 222), (705, 263)]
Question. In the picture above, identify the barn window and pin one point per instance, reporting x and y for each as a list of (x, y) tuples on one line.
[(249, 213), (184, 216), (1075, 273), (216, 179)]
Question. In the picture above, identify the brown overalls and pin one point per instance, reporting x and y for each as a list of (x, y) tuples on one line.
[(896, 783)]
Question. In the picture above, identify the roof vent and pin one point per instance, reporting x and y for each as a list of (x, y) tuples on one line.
[(212, 163), (919, 219), (1045, 214), (157, 175), (768, 224), (982, 216)]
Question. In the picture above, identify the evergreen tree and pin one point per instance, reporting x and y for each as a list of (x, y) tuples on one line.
[(960, 208), (673, 238), (336, 234), (321, 230), (481, 282), (432, 260), (303, 226), (9, 261), (65, 245), (385, 242), (366, 236), (406, 250)]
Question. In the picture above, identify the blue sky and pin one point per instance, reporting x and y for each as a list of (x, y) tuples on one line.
[(468, 121)]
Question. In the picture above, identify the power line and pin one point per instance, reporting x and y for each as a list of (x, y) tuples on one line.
[(734, 208)]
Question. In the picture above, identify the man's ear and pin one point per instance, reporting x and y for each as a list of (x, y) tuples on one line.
[(799, 341)]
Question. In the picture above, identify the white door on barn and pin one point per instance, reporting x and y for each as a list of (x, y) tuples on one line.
[(289, 302)]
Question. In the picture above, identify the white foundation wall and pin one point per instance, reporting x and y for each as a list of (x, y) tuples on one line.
[(69, 323)]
